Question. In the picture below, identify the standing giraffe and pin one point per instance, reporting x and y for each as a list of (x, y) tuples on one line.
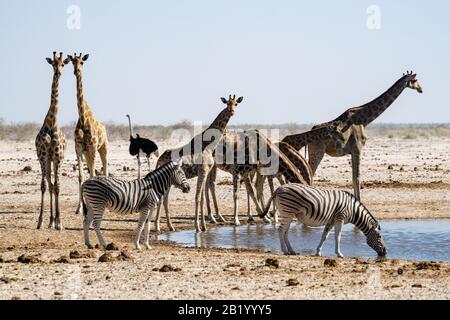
[(90, 134), (242, 159), (201, 161), (51, 145), (352, 125)]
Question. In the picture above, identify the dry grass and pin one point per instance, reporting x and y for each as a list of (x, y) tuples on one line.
[(117, 132)]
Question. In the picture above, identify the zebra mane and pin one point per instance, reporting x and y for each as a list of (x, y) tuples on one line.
[(155, 173), (368, 213)]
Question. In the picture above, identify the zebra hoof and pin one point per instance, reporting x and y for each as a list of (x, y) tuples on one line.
[(148, 247), (90, 246)]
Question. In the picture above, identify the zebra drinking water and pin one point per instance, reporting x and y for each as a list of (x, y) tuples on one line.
[(315, 207), (122, 196)]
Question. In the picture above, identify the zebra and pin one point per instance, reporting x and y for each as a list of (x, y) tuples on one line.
[(122, 196), (315, 207)]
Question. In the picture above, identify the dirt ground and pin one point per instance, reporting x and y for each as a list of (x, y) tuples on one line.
[(402, 179)]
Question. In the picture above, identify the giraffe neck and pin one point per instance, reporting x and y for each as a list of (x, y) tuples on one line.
[(298, 141), (367, 113), (51, 118), (207, 137), (82, 105)]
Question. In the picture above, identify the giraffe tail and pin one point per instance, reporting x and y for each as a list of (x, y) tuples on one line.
[(267, 207)]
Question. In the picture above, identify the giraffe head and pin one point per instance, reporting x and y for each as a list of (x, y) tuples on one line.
[(78, 62), (411, 81), (232, 102), (57, 62)]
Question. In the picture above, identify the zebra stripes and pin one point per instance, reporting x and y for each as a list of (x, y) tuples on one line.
[(315, 207), (121, 196)]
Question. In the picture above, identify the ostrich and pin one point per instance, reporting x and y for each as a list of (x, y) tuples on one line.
[(138, 145)]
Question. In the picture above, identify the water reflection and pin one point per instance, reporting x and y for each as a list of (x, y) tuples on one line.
[(406, 239)]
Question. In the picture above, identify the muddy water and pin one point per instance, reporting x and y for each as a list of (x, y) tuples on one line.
[(405, 239)]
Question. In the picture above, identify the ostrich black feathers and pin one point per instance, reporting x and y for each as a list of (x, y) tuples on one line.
[(138, 144)]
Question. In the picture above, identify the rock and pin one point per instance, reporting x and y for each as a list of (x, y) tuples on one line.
[(330, 263), (272, 263), (57, 293), (1, 260), (235, 288), (7, 280), (390, 167), (62, 259), (400, 271), (125, 255), (177, 269), (166, 268), (112, 247), (417, 285), (64, 174), (155, 269), (106, 257), (28, 259), (425, 265), (74, 167), (16, 298), (292, 282), (27, 169), (74, 254)]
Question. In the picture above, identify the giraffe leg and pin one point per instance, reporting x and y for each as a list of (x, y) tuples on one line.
[(80, 179), (211, 217), (274, 209), (43, 189), (236, 184), (48, 174), (58, 223), (103, 151), (356, 157), (251, 194), (316, 153), (90, 161), (197, 200), (212, 187)]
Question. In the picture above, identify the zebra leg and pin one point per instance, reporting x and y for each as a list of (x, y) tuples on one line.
[(147, 230), (284, 241), (139, 165), (337, 235), (325, 233), (97, 221), (43, 189), (236, 183), (142, 218), (88, 217)]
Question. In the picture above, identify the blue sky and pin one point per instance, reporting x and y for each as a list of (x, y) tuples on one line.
[(167, 61)]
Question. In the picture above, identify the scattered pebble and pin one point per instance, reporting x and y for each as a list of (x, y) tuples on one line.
[(425, 265), (166, 268), (27, 169), (272, 263), (112, 247), (74, 254), (27, 259), (235, 288), (106, 257), (125, 255), (390, 167), (330, 263), (292, 282), (417, 285), (62, 259), (7, 280), (400, 271)]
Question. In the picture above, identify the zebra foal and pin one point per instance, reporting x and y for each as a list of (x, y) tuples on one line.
[(316, 207), (122, 196)]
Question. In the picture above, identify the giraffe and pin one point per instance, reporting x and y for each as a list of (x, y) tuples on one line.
[(51, 145), (239, 156), (200, 162), (290, 146), (90, 134), (352, 125)]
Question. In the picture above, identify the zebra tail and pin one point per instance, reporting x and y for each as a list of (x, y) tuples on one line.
[(84, 204), (267, 207)]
